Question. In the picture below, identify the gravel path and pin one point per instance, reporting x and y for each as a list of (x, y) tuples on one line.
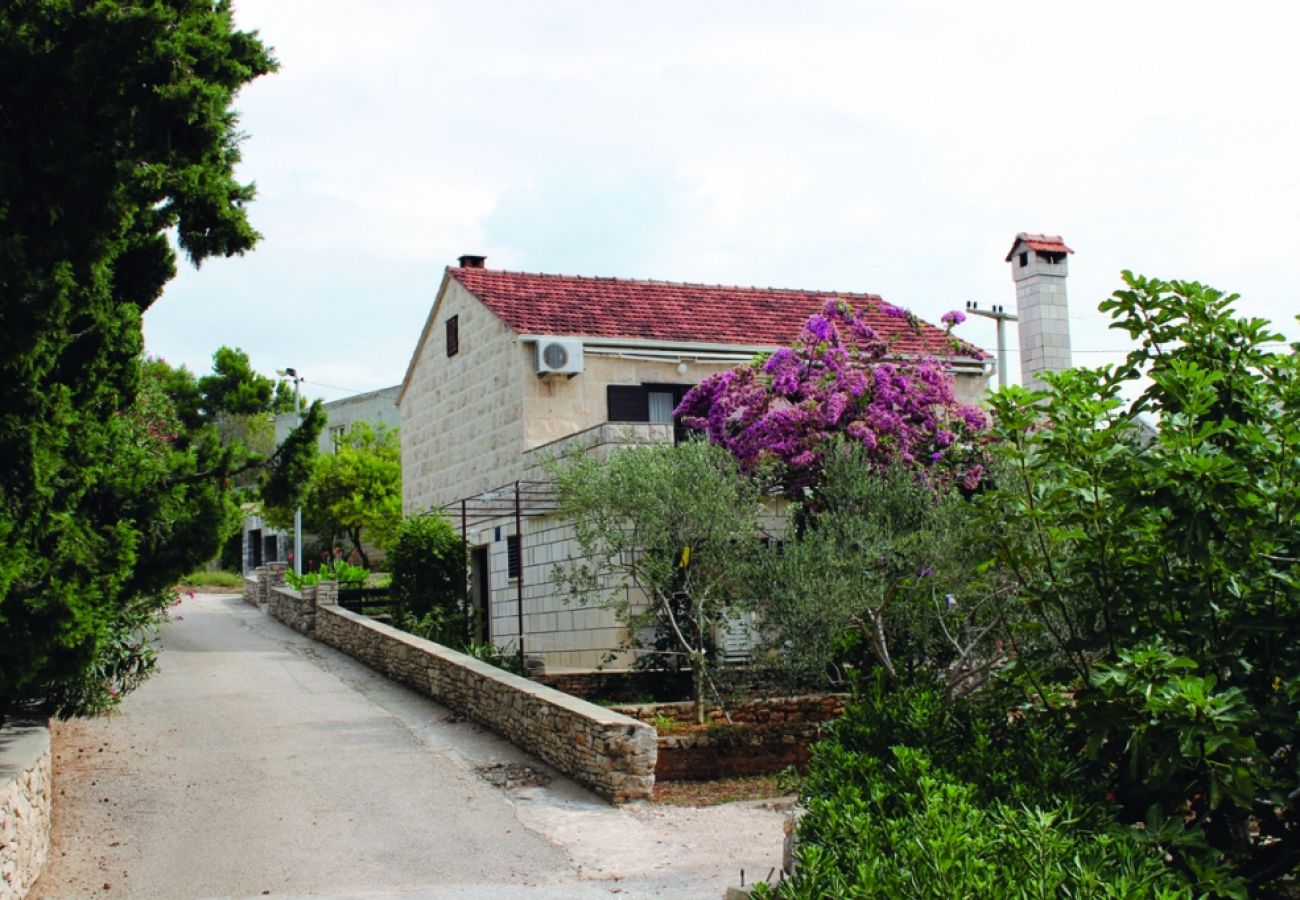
[(258, 762)]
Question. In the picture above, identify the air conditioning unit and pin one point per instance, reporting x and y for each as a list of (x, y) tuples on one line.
[(561, 356)]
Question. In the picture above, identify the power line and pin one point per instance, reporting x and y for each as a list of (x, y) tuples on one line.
[(332, 387)]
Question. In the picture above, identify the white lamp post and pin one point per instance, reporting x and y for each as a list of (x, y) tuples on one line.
[(297, 513)]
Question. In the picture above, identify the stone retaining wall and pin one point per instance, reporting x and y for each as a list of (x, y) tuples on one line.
[(265, 579), (297, 609), (25, 798), (611, 753), (619, 685), (765, 735), (803, 708)]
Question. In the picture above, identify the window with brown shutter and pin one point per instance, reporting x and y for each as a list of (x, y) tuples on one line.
[(647, 403), (453, 336), (628, 403)]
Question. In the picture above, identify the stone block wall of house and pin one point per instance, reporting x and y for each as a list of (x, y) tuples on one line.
[(557, 407), (462, 417), (569, 634), (25, 806)]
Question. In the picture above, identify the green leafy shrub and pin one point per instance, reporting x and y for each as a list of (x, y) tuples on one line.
[(918, 796), (330, 570), (126, 657), (879, 570), (427, 565), (900, 826), (502, 657), (1159, 569)]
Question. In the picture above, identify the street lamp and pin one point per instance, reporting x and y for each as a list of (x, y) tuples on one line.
[(297, 513)]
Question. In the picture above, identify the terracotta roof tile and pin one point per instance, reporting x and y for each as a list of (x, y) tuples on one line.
[(568, 305)]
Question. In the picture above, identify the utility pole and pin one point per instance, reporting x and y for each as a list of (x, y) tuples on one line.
[(297, 513), (1002, 317)]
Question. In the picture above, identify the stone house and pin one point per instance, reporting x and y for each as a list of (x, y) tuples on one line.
[(514, 368)]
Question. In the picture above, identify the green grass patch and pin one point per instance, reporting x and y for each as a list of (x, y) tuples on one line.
[(197, 580)]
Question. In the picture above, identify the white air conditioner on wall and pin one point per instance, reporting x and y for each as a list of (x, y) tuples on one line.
[(559, 356)]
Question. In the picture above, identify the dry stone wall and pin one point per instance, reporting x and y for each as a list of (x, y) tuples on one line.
[(764, 735), (611, 753), (25, 799)]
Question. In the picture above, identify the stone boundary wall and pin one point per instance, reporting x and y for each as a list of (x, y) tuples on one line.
[(25, 807), (297, 609), (611, 753), (765, 736), (258, 586), (803, 708), (619, 685)]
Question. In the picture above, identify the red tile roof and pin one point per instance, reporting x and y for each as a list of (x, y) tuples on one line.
[(1047, 243), (568, 305)]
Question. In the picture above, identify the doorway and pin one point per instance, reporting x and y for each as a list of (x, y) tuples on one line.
[(482, 595)]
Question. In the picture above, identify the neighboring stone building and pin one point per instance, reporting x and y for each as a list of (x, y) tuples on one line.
[(376, 407), (261, 542), (513, 368)]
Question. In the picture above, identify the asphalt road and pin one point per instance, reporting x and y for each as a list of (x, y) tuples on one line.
[(258, 762)]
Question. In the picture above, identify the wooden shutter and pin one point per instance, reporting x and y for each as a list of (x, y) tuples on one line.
[(453, 335), (512, 556), (628, 403)]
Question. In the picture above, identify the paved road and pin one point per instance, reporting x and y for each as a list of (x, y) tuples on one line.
[(258, 762)]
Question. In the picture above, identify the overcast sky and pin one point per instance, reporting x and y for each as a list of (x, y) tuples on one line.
[(894, 148)]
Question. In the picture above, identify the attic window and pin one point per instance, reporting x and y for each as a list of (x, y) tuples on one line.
[(453, 335), (1024, 260)]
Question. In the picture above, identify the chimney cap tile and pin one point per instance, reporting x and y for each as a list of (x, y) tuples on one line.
[(1044, 243)]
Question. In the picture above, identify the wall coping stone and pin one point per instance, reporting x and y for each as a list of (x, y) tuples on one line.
[(26, 765), (22, 742)]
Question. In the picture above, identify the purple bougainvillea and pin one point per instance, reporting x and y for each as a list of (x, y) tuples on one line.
[(840, 380)]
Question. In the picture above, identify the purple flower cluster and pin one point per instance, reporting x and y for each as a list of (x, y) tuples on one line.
[(839, 379)]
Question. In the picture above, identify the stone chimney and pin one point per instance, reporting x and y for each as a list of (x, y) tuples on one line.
[(1038, 267), (470, 261)]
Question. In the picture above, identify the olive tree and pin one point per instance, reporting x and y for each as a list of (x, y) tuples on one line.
[(665, 535)]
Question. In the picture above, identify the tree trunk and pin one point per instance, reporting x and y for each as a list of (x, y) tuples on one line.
[(355, 537), (697, 681)]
